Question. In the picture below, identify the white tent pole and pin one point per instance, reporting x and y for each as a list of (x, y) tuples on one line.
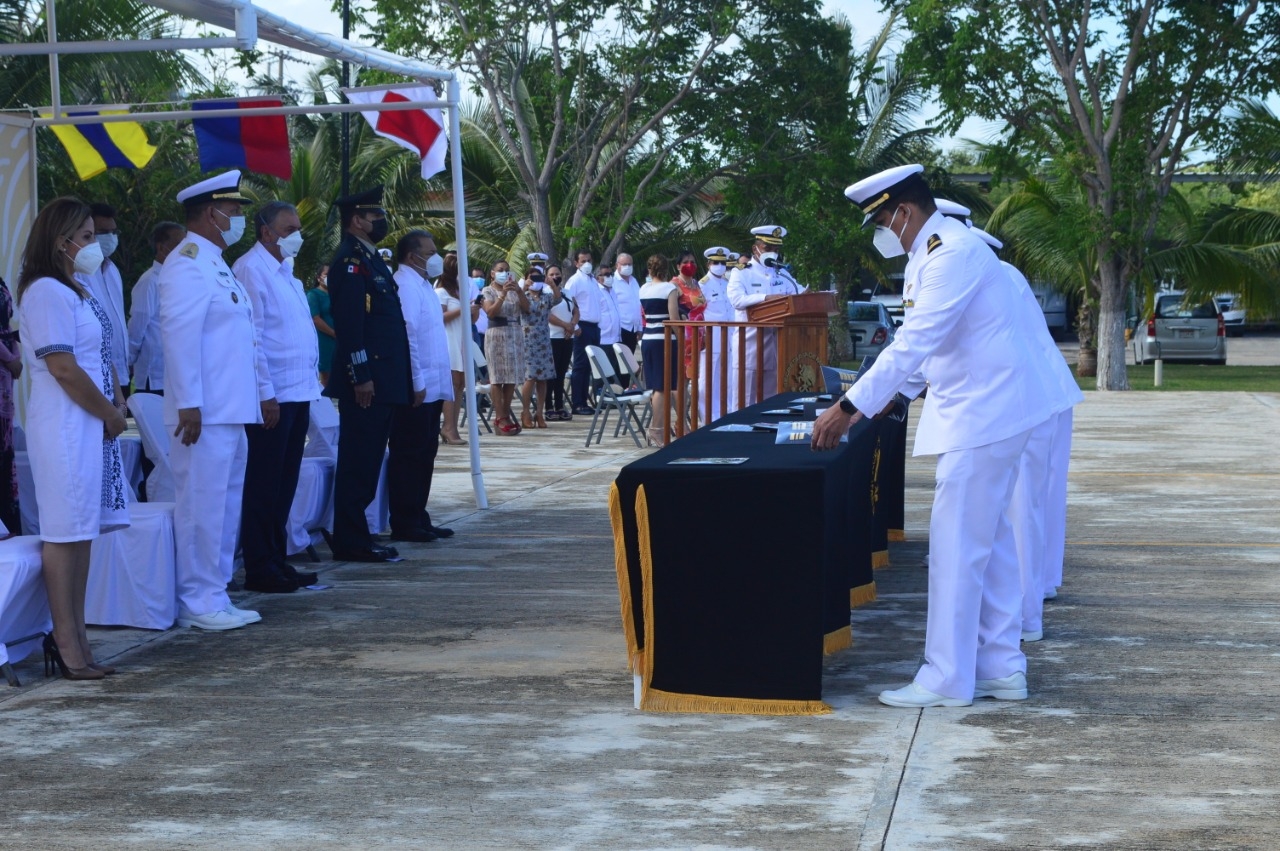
[(55, 76), (179, 114), (122, 46), (464, 269)]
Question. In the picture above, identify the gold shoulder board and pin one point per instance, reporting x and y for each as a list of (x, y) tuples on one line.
[(934, 242), (190, 250)]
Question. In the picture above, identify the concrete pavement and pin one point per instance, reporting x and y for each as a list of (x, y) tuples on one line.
[(475, 695)]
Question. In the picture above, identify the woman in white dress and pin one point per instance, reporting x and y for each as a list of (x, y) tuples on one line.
[(74, 415), (455, 297)]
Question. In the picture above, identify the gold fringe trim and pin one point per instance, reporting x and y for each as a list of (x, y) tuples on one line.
[(646, 582), (862, 595), (880, 559), (624, 578), (897, 535), (655, 700), (840, 639)]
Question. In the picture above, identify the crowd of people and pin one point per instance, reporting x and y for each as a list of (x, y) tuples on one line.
[(239, 353)]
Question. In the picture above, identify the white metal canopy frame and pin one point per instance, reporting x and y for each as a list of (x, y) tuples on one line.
[(250, 24)]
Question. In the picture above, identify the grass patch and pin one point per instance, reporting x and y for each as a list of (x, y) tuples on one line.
[(1191, 376)]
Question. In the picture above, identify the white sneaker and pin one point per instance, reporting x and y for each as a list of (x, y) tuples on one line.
[(1012, 687), (913, 696), (1051, 594), (246, 616), (219, 620), (1032, 634)]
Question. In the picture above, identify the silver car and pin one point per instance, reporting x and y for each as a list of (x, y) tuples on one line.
[(871, 328), (1178, 331)]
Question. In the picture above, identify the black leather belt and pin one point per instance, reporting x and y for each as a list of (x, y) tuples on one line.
[(498, 322)]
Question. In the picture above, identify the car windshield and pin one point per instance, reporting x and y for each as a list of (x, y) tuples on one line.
[(1173, 307), (864, 312)]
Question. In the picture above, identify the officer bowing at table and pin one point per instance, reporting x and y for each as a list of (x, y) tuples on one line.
[(371, 374), (761, 278), (211, 393)]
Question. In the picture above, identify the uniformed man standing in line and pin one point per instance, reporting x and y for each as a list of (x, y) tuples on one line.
[(211, 392), (715, 288), (371, 374), (107, 287), (415, 429), (146, 355), (288, 379), (977, 420), (760, 279)]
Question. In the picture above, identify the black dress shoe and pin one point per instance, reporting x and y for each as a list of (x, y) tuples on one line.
[(371, 556), (298, 576), (389, 552), (584, 412), (420, 536), (441, 532), (270, 583)]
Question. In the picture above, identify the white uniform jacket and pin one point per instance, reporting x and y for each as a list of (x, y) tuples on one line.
[(963, 333), (1033, 315), (206, 325), (146, 356)]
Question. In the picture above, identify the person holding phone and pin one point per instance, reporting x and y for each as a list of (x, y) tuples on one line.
[(504, 303), (543, 294)]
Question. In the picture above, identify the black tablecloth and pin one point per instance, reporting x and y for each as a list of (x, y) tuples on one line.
[(748, 571)]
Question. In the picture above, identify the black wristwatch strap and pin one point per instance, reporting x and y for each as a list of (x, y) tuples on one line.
[(847, 406)]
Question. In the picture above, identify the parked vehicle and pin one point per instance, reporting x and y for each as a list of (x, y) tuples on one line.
[(1178, 331), (1054, 305), (871, 328), (1232, 313), (891, 300)]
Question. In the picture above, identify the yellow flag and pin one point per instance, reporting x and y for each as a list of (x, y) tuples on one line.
[(94, 148)]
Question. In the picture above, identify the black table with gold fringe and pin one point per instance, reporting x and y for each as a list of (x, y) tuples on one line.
[(736, 579)]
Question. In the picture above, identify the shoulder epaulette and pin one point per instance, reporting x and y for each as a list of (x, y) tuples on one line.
[(934, 242), (190, 250)]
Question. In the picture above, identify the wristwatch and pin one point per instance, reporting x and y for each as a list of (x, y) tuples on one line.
[(847, 406)]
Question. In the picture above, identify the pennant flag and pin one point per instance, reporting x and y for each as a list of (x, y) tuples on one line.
[(251, 142), (419, 130), (94, 148)]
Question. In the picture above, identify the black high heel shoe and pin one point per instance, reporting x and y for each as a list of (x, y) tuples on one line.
[(53, 659)]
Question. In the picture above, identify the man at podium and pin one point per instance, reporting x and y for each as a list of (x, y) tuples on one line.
[(762, 278)]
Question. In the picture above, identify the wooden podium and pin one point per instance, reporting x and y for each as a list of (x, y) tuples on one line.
[(802, 322)]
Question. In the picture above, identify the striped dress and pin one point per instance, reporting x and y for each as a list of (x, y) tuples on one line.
[(654, 297)]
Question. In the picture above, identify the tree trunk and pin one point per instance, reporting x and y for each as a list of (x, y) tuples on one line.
[(1112, 374), (540, 201)]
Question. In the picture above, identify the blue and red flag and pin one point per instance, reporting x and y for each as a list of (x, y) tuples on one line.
[(252, 142)]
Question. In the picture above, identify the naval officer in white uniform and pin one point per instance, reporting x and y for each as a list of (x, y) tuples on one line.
[(715, 289), (1039, 506), (211, 392), (760, 279), (989, 386)]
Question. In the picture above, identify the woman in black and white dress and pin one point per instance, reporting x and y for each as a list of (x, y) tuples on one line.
[(660, 301)]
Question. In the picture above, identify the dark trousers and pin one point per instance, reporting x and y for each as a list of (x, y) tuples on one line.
[(581, 379), (362, 444), (270, 482), (561, 352), (630, 339), (415, 438)]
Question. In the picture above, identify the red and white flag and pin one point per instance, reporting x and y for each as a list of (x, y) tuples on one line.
[(419, 130)]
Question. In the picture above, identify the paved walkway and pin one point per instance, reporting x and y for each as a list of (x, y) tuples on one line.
[(475, 695)]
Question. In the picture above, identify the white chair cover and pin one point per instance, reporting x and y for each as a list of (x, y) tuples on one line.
[(133, 572), (148, 413), (311, 504), (322, 442), (24, 606)]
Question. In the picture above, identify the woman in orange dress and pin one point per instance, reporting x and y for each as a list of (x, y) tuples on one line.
[(693, 304)]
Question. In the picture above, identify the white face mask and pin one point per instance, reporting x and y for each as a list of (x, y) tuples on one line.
[(290, 245), (585, 268), (89, 258), (769, 259), (886, 241), (717, 269), (502, 277), (109, 242), (625, 271), (232, 236), (435, 266)]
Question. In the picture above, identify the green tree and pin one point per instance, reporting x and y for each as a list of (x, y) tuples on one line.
[(1115, 91)]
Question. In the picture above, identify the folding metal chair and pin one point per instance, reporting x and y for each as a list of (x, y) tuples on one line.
[(612, 396), (478, 362), (635, 376)]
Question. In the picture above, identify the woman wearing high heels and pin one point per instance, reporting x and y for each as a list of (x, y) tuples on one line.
[(455, 296), (543, 294), (74, 415), (660, 301), (504, 303)]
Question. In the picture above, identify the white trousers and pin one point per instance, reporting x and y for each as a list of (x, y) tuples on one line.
[(974, 626), (769, 338), (712, 383), (209, 480), (1027, 514), (1055, 512)]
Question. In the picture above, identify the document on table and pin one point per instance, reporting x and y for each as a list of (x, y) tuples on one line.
[(714, 461), (799, 433)]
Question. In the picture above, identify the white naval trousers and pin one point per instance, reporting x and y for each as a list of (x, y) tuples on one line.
[(712, 383), (1027, 514), (770, 339), (974, 626), (1055, 512), (209, 481)]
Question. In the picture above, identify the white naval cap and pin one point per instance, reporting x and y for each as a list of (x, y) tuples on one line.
[(987, 238), (220, 187), (950, 208), (717, 253), (871, 193), (536, 257), (770, 234), (733, 256)]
